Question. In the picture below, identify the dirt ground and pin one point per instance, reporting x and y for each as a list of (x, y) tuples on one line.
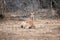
[(46, 29)]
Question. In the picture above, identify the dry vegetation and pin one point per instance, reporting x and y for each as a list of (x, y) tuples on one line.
[(45, 30)]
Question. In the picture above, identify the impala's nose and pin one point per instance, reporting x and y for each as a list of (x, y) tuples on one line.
[(1, 16), (30, 27)]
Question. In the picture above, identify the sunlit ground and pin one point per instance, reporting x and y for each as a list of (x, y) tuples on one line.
[(46, 29)]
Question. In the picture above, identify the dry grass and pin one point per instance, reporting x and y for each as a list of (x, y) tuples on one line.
[(45, 30)]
